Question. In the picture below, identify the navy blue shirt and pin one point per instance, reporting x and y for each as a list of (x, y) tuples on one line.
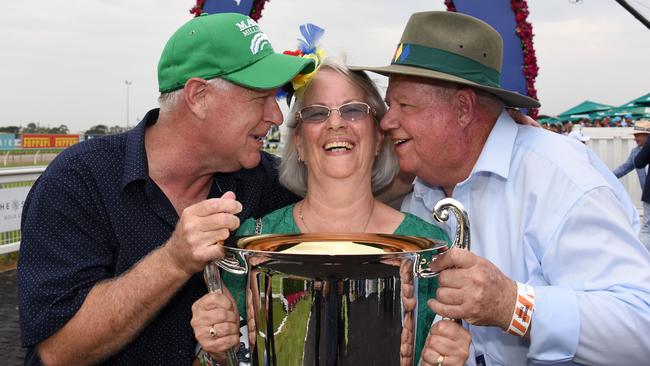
[(92, 215)]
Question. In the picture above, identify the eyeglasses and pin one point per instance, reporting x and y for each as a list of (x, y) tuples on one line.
[(349, 111)]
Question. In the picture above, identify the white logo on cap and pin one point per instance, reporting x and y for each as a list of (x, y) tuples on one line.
[(258, 42), (248, 26)]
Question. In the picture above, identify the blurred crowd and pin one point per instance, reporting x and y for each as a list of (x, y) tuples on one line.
[(567, 126)]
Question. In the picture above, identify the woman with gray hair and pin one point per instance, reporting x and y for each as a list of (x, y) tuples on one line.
[(337, 159)]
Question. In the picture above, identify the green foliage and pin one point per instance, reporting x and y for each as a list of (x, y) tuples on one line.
[(10, 129), (291, 286), (97, 130), (35, 128)]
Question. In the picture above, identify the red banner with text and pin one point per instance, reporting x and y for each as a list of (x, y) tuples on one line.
[(48, 141)]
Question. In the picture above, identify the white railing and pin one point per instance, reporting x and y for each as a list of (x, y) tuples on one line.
[(12, 202), (613, 146), (9, 248), (20, 174)]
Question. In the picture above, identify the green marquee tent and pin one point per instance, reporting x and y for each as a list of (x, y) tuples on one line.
[(583, 110), (549, 120), (638, 108), (643, 100)]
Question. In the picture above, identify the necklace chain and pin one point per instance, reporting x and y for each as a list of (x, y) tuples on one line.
[(365, 226)]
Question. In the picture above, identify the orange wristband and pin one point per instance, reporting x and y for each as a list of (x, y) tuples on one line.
[(523, 313)]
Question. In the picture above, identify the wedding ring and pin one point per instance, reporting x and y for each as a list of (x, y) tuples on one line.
[(440, 360), (212, 332)]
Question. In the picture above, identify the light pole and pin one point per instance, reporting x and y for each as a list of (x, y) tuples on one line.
[(128, 84)]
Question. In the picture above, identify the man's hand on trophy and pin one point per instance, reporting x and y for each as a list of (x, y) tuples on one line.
[(473, 289), (200, 230)]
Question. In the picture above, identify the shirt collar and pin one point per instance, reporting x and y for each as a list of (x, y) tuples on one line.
[(422, 188), (135, 156), (495, 157)]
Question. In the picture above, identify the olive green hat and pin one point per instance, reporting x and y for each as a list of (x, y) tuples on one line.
[(453, 47), (226, 45)]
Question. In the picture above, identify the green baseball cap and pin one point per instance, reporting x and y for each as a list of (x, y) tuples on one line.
[(226, 45)]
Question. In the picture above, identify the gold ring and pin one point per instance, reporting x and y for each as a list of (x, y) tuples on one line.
[(212, 332), (440, 360)]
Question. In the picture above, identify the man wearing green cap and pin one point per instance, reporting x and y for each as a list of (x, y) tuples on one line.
[(117, 229), (556, 274)]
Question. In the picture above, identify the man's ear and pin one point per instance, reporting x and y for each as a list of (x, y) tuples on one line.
[(194, 94), (465, 100)]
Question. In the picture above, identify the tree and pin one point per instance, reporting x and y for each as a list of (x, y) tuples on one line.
[(10, 129), (31, 128), (97, 130), (62, 129), (116, 129)]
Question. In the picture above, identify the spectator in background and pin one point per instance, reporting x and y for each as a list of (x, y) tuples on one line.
[(627, 121), (641, 159), (576, 133), (617, 122), (641, 132), (556, 127), (596, 122), (567, 126), (606, 122)]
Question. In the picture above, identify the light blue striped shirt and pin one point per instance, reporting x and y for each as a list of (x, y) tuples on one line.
[(549, 213)]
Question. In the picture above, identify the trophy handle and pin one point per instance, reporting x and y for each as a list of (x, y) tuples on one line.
[(441, 214), (230, 264), (213, 280), (461, 240)]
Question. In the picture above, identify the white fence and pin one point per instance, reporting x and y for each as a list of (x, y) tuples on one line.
[(14, 186), (612, 145)]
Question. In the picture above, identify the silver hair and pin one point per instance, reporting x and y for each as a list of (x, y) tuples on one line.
[(293, 173), (485, 99), (170, 100)]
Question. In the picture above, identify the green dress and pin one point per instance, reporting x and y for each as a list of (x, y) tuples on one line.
[(281, 222)]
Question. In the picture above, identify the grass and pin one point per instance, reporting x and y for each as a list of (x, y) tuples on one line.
[(290, 342), (8, 261), (18, 165), (31, 151)]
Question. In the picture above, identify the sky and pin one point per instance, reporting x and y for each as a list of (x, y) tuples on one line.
[(66, 61)]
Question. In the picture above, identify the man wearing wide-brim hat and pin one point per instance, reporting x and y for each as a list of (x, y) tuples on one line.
[(556, 273), (640, 156)]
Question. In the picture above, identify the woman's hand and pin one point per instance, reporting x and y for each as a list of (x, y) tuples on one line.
[(521, 118), (447, 344), (215, 322)]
